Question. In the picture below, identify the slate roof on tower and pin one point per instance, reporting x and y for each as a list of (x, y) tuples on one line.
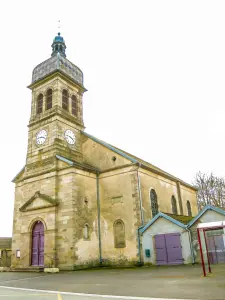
[(57, 62)]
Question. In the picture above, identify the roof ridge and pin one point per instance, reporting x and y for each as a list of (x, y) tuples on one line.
[(163, 215), (207, 207), (136, 159)]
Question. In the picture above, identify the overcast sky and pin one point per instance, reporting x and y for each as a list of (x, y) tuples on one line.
[(154, 70)]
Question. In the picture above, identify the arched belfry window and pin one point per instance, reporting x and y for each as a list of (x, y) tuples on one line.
[(189, 208), (154, 203), (174, 205), (65, 100), (49, 99), (40, 104), (119, 234), (74, 105)]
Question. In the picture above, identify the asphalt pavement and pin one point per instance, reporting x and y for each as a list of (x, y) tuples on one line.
[(176, 282)]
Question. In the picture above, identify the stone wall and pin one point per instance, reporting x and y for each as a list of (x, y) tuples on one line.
[(24, 220), (165, 189)]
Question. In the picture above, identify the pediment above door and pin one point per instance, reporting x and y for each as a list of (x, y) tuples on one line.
[(38, 201)]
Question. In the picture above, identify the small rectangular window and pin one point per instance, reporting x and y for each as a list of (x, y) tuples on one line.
[(18, 253)]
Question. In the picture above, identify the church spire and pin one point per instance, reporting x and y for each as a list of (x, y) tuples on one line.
[(58, 46)]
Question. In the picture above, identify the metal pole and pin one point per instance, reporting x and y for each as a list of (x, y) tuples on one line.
[(200, 245)]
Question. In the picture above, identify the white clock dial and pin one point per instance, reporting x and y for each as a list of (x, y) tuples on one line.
[(70, 137), (41, 137)]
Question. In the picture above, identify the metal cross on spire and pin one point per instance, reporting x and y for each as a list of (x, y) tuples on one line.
[(59, 25)]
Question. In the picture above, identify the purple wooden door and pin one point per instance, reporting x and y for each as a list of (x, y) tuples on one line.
[(160, 246), (168, 249), (37, 256), (174, 250)]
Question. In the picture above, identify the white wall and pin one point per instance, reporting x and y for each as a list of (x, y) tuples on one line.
[(163, 226), (211, 216)]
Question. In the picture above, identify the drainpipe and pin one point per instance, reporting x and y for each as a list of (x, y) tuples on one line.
[(190, 241), (140, 195), (99, 221)]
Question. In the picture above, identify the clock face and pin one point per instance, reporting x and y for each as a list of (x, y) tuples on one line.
[(41, 137), (70, 137)]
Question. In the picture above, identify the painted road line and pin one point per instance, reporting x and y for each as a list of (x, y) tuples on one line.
[(27, 278), (26, 295), (59, 297), (89, 295)]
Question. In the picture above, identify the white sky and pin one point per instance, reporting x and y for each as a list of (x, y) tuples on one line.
[(154, 70)]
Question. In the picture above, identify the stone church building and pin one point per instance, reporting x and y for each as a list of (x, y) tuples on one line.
[(79, 201)]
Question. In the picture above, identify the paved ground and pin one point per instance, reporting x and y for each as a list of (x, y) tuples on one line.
[(179, 282)]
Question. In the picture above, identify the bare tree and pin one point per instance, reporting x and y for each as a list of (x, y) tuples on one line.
[(211, 190)]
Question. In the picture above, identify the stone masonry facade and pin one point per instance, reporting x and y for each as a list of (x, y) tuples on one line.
[(87, 194)]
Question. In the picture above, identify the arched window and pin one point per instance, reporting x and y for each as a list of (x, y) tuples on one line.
[(86, 232), (174, 205), (40, 104), (154, 203), (65, 100), (49, 99), (74, 105), (119, 234), (189, 208)]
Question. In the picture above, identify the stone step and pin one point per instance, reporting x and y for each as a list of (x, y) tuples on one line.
[(28, 269)]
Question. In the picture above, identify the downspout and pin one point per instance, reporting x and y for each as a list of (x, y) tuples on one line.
[(140, 195), (142, 216), (99, 220), (191, 245)]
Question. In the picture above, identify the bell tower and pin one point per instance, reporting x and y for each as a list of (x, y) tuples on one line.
[(56, 110), (46, 188)]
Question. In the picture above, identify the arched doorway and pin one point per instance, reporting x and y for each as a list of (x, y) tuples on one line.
[(37, 250)]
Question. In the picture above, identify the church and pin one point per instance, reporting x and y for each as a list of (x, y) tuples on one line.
[(80, 201)]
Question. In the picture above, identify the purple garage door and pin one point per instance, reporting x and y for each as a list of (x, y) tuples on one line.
[(37, 257), (168, 249), (216, 249)]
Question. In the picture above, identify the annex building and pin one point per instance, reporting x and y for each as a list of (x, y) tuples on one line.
[(79, 200)]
